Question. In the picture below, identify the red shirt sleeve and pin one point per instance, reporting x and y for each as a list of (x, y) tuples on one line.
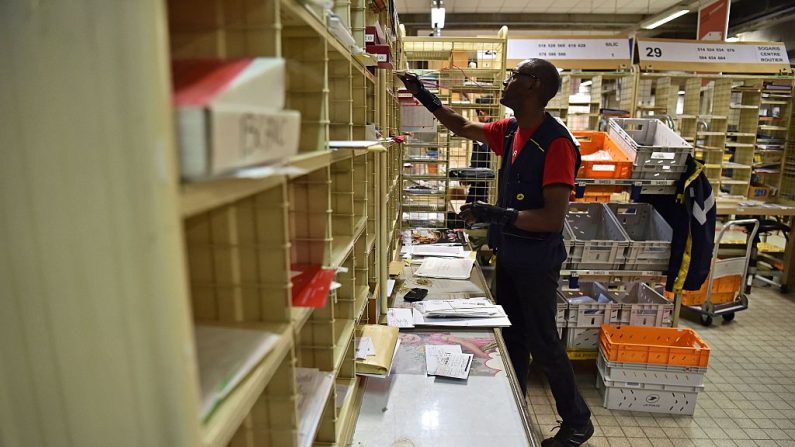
[(495, 135), (559, 163)]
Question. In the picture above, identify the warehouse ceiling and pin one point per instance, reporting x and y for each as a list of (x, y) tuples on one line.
[(540, 6), (568, 16), (473, 17)]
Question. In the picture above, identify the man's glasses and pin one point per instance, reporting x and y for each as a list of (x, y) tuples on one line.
[(514, 72)]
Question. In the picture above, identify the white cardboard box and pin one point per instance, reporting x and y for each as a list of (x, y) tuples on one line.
[(229, 115)]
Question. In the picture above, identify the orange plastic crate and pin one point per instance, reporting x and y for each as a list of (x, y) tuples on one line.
[(653, 345), (599, 193), (620, 166), (724, 290)]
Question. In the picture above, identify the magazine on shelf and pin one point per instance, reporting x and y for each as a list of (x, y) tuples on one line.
[(420, 236)]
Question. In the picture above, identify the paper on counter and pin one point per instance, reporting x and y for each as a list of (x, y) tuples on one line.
[(455, 251), (384, 340), (463, 308), (392, 364), (434, 352), (499, 321), (445, 268), (455, 365), (400, 317)]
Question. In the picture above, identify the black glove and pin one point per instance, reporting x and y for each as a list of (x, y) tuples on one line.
[(426, 98), (483, 212)]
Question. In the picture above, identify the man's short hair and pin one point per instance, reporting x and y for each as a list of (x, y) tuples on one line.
[(548, 76)]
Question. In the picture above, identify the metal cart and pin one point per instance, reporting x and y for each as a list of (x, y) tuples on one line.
[(723, 268)]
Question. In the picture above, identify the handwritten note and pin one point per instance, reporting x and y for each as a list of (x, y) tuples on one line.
[(400, 318)]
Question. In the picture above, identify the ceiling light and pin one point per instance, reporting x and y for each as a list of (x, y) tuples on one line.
[(437, 15), (663, 18)]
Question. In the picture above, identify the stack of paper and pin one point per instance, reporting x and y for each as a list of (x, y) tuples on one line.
[(447, 361), (475, 312), (471, 308), (314, 387), (226, 356), (376, 350), (455, 251), (445, 268)]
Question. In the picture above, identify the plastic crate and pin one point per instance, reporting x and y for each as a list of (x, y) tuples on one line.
[(562, 308), (617, 167), (584, 315), (657, 345), (599, 193), (724, 290), (568, 245), (649, 236), (656, 151), (599, 242), (643, 306), (582, 339), (650, 374), (646, 397)]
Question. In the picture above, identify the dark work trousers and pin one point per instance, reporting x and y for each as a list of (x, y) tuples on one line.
[(529, 299)]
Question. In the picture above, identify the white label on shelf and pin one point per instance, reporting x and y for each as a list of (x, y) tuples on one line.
[(582, 48), (603, 167), (369, 37), (727, 53), (663, 155), (381, 57)]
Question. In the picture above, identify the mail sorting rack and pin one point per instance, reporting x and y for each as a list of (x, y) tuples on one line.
[(788, 176), (586, 310), (239, 259), (583, 95), (466, 73)]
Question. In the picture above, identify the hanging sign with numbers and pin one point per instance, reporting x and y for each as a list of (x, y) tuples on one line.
[(585, 53), (700, 55)]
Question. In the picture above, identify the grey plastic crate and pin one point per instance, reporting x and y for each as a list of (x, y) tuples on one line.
[(568, 244), (643, 306), (656, 150), (590, 315), (582, 339), (562, 309), (649, 236), (599, 242), (646, 397), (621, 372)]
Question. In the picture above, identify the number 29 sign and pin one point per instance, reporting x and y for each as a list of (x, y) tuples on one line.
[(702, 55)]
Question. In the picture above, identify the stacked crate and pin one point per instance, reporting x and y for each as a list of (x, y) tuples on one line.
[(616, 236), (656, 370), (587, 309), (656, 151)]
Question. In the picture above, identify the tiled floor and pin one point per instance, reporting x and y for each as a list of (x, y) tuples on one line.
[(749, 398)]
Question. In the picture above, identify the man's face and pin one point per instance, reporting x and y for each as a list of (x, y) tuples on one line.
[(520, 83)]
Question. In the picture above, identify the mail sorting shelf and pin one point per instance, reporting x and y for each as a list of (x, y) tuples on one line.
[(591, 91)]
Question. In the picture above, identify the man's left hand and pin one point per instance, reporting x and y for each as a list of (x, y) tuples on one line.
[(483, 212)]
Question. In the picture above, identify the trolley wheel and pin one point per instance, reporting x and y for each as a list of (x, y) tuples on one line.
[(706, 320), (729, 316)]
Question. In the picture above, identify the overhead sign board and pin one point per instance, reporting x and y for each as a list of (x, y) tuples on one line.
[(695, 55), (585, 53)]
